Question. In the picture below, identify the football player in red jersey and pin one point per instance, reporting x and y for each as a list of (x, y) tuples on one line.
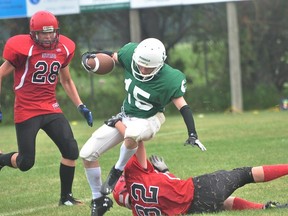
[(148, 188), (36, 60)]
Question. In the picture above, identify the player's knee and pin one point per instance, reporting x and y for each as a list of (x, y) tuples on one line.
[(25, 163), (132, 133), (88, 155), (82, 154), (72, 154)]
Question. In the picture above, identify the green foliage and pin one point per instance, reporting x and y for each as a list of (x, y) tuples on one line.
[(232, 140), (263, 97), (263, 32), (207, 76)]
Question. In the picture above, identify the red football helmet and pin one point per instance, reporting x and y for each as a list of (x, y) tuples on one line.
[(46, 22), (120, 193)]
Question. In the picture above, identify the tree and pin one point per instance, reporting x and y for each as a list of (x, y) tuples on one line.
[(264, 42)]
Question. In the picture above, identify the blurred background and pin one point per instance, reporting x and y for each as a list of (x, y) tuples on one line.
[(234, 53)]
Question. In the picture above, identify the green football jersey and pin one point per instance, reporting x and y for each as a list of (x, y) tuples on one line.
[(145, 99)]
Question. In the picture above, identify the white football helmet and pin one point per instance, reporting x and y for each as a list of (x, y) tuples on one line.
[(150, 53)]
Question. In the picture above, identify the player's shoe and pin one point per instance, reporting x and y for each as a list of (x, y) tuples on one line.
[(100, 205), (272, 205), (111, 181), (113, 120), (69, 200)]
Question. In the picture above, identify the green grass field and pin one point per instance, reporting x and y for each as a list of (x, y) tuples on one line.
[(232, 140)]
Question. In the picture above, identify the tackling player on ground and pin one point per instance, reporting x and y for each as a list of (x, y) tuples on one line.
[(150, 85), (148, 188), (36, 61)]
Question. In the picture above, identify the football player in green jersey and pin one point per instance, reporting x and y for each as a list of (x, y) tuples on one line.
[(151, 85)]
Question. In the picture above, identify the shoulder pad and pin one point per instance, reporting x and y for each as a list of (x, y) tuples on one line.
[(67, 42), (19, 44)]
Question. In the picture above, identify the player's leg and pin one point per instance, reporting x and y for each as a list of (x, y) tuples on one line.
[(58, 129), (103, 139), (116, 171), (269, 172), (236, 203), (136, 130), (259, 174), (8, 159), (128, 147), (264, 174), (217, 187), (24, 159), (211, 190)]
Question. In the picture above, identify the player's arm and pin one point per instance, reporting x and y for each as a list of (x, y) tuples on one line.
[(71, 91), (141, 155), (187, 115), (69, 86), (5, 69)]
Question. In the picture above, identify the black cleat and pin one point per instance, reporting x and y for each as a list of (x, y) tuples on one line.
[(273, 205), (111, 181), (100, 205), (113, 120), (69, 200)]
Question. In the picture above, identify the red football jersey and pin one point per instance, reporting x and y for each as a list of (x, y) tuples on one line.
[(36, 74), (154, 193)]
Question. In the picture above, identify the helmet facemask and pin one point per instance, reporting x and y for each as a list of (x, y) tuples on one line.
[(48, 44), (150, 53)]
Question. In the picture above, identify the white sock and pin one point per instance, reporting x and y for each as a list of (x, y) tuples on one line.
[(94, 179), (125, 155)]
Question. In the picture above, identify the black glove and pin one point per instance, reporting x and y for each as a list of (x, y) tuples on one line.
[(158, 163), (86, 113), (194, 141), (113, 120)]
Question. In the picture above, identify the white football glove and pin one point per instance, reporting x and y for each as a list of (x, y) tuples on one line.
[(194, 141), (200, 145), (158, 163), (84, 61)]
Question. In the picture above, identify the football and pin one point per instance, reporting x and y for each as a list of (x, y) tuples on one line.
[(101, 64)]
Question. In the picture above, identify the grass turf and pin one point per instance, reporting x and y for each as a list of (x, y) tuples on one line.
[(232, 140)]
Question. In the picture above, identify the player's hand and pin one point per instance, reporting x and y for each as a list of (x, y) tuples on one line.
[(84, 59), (194, 141), (113, 120), (0, 116), (158, 163), (86, 113)]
